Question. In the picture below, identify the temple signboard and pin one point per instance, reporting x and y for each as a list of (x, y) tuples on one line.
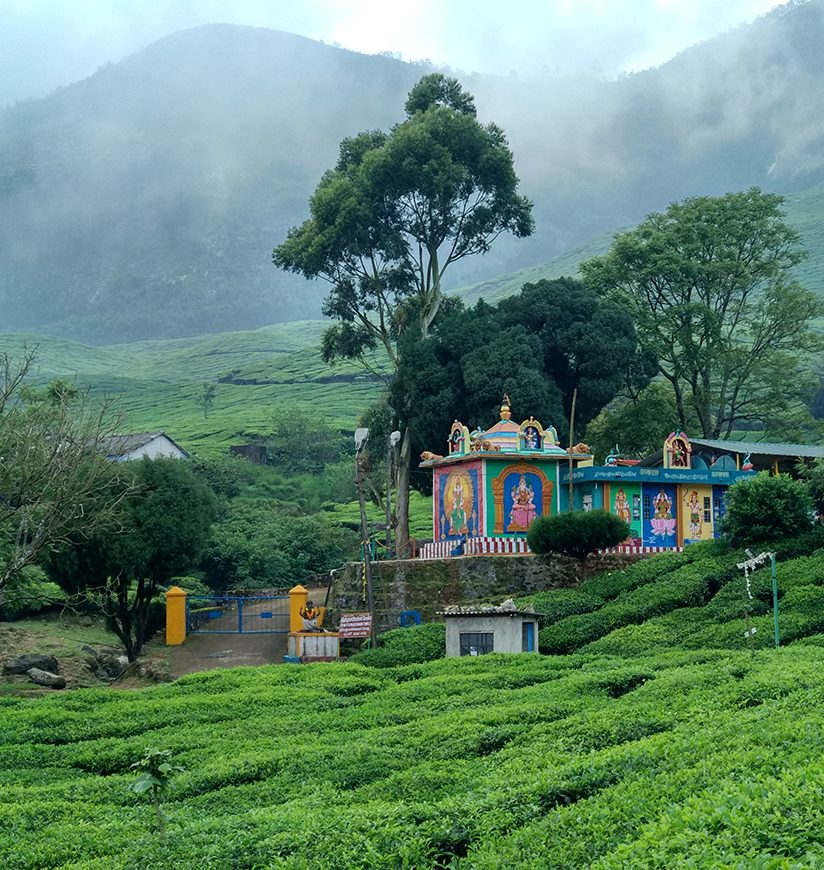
[(354, 625)]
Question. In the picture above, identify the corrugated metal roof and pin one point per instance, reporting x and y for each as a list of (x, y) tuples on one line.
[(761, 448)]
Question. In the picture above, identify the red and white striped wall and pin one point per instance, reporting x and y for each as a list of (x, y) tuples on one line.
[(483, 546)]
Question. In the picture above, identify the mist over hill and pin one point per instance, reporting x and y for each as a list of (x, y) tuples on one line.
[(145, 200)]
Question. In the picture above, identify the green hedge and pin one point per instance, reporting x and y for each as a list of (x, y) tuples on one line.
[(406, 646)]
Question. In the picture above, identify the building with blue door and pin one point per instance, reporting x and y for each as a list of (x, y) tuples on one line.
[(476, 630)]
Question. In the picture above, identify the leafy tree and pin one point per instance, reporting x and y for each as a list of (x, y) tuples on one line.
[(709, 286), (163, 527), (52, 467), (576, 534), (813, 477), (206, 398), (390, 218), (258, 545), (588, 345), (637, 426), (765, 508), (303, 441), (537, 347)]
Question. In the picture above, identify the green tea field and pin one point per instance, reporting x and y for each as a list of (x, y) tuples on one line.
[(257, 374), (655, 737), (690, 759)]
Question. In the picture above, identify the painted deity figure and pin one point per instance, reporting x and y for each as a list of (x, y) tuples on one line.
[(531, 439), (523, 506), (662, 522), (457, 516), (694, 507), (622, 506)]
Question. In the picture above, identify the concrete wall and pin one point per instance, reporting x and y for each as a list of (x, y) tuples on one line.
[(506, 629), (427, 585), (155, 448)]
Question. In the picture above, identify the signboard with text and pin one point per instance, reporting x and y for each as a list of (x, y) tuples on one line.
[(355, 625)]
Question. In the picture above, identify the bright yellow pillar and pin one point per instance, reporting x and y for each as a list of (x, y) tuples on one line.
[(175, 616), (298, 595)]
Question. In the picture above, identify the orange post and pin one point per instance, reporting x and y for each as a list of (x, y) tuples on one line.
[(175, 616), (298, 596)]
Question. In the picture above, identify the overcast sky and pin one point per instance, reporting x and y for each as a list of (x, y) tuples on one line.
[(48, 43)]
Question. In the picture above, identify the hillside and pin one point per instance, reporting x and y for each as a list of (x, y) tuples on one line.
[(804, 210), (144, 202), (655, 761), (258, 374)]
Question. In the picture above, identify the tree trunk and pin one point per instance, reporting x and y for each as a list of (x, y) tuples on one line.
[(402, 543)]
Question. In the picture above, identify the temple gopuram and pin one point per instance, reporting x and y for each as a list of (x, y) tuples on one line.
[(490, 486)]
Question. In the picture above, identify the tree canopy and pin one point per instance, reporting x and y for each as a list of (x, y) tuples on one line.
[(162, 529), (394, 213), (52, 466), (537, 346), (709, 285)]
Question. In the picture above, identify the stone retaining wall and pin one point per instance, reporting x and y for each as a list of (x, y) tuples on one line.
[(428, 585)]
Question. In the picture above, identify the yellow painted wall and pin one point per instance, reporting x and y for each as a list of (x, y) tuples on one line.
[(685, 511)]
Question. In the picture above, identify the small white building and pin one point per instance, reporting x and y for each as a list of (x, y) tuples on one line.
[(136, 445), (475, 630)]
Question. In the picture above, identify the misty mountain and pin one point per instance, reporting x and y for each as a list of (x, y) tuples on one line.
[(145, 200)]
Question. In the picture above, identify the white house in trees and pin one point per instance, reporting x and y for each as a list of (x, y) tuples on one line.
[(136, 445)]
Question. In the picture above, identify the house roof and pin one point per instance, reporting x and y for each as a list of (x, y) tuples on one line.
[(505, 608), (122, 445), (761, 448)]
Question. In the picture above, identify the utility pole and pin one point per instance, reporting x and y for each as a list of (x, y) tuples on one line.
[(391, 462), (571, 442), (361, 439)]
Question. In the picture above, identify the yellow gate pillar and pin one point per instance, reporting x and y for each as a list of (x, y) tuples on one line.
[(298, 596), (175, 616)]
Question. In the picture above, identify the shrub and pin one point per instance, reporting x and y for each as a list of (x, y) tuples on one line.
[(555, 604), (766, 508), (406, 646), (28, 593), (577, 534)]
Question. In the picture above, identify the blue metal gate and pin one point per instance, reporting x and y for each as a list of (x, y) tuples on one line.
[(233, 614)]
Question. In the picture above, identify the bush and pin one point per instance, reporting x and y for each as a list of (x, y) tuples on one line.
[(766, 508), (406, 646), (29, 593), (576, 534)]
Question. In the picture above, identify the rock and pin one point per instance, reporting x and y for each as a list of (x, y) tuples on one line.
[(23, 664), (44, 678), (90, 651), (90, 662), (113, 665)]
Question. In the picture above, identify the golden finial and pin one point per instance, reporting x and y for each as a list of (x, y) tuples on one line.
[(506, 413)]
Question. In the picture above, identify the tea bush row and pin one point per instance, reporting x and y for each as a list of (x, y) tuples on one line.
[(497, 761)]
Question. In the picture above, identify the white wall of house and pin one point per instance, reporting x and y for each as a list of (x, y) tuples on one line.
[(158, 447), (507, 630)]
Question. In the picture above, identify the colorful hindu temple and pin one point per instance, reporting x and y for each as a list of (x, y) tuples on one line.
[(492, 484)]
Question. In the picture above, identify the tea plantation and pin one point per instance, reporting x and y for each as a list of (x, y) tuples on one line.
[(653, 738)]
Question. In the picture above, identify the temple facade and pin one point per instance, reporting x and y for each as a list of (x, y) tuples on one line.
[(491, 485)]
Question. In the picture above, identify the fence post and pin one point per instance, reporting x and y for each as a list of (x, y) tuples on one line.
[(298, 596), (175, 616)]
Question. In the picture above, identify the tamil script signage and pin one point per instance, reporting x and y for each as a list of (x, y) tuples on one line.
[(355, 625), (681, 475)]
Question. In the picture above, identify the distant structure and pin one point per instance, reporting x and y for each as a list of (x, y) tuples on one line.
[(490, 486), (481, 629), (137, 445)]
